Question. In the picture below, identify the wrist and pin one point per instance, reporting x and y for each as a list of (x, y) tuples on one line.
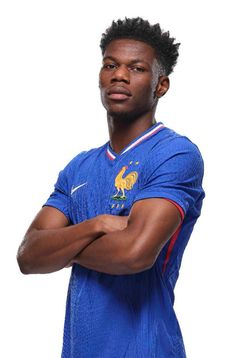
[(98, 225)]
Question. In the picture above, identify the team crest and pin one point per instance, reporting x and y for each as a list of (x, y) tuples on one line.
[(124, 183)]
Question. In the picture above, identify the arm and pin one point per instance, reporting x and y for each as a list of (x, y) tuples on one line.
[(151, 223), (50, 244)]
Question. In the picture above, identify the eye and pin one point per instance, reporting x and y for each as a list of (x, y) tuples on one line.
[(137, 69), (109, 66)]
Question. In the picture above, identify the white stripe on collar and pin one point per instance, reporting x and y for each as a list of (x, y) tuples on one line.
[(110, 155), (137, 141), (153, 131)]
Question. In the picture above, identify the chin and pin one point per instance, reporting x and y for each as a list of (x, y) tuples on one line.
[(129, 114), (120, 111), (122, 115)]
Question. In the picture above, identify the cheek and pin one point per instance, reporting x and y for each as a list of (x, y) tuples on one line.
[(104, 79), (145, 89), (100, 80)]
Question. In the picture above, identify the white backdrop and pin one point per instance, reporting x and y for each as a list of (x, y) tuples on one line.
[(50, 110)]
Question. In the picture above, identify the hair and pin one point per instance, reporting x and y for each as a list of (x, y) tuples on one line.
[(141, 30)]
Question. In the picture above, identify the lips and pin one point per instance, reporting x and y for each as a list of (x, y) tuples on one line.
[(118, 93)]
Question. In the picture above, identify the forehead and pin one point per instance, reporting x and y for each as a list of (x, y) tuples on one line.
[(130, 50)]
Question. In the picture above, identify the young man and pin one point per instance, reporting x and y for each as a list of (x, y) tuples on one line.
[(123, 213)]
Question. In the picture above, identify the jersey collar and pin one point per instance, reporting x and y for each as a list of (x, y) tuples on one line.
[(145, 135)]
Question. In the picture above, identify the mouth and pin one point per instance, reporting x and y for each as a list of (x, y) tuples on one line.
[(118, 93)]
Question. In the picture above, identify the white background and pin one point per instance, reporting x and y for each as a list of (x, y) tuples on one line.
[(50, 110)]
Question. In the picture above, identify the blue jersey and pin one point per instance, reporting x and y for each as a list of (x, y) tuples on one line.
[(117, 316)]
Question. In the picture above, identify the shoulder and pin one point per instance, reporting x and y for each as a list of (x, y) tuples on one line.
[(79, 164), (174, 146), (83, 158), (174, 157), (173, 140)]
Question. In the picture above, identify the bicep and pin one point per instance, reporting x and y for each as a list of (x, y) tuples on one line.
[(49, 218), (152, 222)]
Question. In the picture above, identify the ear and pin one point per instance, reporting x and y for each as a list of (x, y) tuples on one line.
[(162, 86)]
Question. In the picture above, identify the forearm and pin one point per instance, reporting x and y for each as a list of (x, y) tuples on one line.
[(44, 251), (151, 224), (114, 253)]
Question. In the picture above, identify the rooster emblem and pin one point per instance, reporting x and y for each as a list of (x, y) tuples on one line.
[(123, 184)]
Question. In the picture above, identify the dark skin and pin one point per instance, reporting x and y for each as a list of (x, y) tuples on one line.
[(130, 85), (130, 65)]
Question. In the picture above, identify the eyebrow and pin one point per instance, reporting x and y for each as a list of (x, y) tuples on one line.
[(132, 62)]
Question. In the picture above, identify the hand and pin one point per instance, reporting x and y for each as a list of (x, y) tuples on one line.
[(110, 223), (106, 224)]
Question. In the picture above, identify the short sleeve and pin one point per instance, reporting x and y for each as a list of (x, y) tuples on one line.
[(59, 199), (174, 172)]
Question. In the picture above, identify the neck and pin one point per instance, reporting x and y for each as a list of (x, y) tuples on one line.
[(123, 130)]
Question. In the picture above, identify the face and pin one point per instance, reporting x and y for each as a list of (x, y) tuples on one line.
[(129, 78)]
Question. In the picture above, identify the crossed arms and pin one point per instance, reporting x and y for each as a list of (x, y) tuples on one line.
[(107, 243)]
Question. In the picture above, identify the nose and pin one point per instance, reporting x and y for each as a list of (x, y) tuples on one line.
[(121, 74)]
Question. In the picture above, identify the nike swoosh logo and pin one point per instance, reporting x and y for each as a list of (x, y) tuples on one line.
[(77, 187)]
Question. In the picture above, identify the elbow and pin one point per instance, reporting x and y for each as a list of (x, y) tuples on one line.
[(24, 270), (23, 264), (139, 261), (23, 267), (141, 256), (139, 266), (24, 260), (28, 265)]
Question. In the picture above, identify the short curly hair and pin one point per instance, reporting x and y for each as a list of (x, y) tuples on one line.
[(138, 29)]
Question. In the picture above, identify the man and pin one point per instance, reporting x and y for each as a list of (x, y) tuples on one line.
[(123, 213)]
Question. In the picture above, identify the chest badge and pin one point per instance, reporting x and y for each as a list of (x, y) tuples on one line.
[(124, 183)]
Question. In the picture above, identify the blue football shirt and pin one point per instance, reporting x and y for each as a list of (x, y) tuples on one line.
[(117, 316)]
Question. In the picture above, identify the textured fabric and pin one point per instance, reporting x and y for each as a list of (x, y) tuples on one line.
[(109, 316)]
